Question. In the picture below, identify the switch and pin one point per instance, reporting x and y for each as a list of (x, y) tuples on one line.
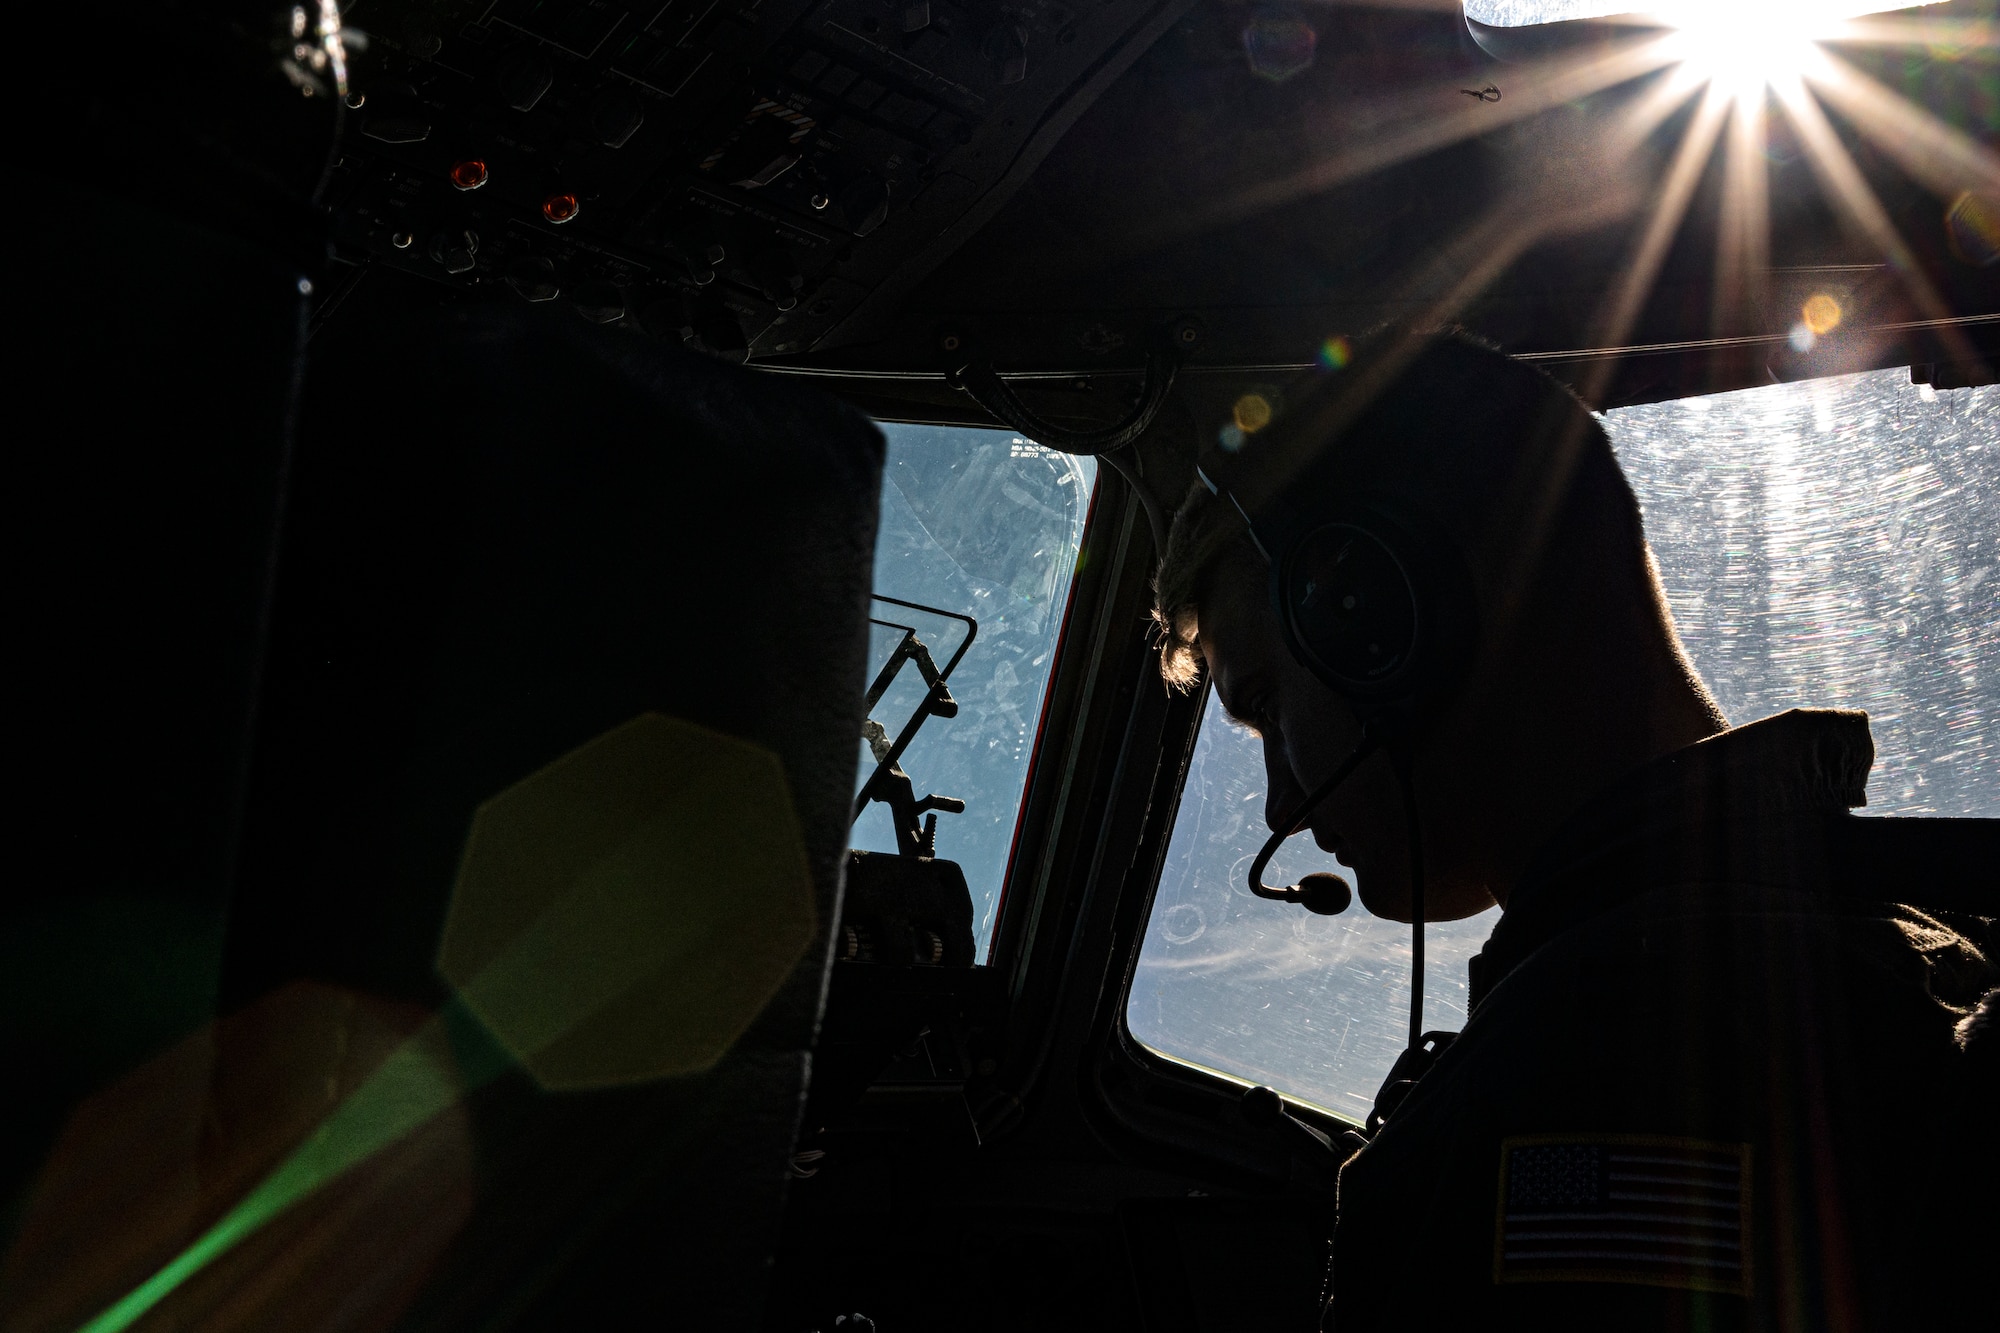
[(1005, 47), (758, 154), (706, 246), (561, 207), (718, 332), (865, 202), (456, 249), (701, 250), (778, 277), (599, 302), (916, 15), (616, 116), (667, 317), (384, 127), (777, 165), (522, 78), (533, 278)]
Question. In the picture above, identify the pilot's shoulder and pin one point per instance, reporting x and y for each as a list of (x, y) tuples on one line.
[(1680, 1038), (1708, 991), (1744, 954), (1961, 952)]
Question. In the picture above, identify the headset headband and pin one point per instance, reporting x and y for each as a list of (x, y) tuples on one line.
[(1369, 596)]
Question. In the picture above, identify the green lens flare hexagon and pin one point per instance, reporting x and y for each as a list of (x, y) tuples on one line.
[(619, 916)]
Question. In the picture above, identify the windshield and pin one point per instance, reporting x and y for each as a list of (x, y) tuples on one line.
[(1523, 13), (984, 524), (1829, 543)]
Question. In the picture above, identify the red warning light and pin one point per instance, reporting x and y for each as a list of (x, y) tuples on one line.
[(560, 208), (469, 174)]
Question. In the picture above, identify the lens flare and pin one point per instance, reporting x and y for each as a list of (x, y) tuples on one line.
[(1252, 413), (1973, 225), (1334, 354), (1821, 313), (1279, 45)]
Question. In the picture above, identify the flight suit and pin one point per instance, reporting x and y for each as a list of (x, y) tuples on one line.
[(1710, 1079)]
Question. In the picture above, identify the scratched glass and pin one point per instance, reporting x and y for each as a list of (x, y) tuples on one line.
[(983, 523), (1524, 13), (1829, 543)]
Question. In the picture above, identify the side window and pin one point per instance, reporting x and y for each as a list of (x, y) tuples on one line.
[(1317, 1007), (982, 524), (1836, 543), (1829, 543)]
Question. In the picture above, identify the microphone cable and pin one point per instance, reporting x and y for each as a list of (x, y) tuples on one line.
[(1328, 894), (1401, 762)]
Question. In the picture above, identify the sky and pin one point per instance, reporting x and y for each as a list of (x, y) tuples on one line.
[(1828, 543)]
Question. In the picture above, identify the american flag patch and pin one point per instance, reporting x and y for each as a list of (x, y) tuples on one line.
[(1624, 1208)]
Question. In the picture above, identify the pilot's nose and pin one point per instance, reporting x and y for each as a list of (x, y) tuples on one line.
[(1283, 793)]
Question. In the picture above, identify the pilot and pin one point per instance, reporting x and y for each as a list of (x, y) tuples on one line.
[(1710, 1077)]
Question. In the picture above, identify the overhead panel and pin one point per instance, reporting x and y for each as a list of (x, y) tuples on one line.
[(743, 176)]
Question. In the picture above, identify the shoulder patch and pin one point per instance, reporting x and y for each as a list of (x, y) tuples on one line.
[(1659, 1212)]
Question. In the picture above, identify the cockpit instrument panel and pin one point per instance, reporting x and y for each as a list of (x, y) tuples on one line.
[(743, 176)]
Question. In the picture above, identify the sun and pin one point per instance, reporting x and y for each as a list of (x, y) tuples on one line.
[(1741, 48)]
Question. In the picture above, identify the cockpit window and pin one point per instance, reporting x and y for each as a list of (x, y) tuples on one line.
[(1524, 13), (1830, 543), (980, 524)]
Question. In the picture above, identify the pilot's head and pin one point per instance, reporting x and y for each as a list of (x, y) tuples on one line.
[(1573, 676)]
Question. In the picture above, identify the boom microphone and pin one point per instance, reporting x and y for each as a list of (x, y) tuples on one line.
[(1321, 893)]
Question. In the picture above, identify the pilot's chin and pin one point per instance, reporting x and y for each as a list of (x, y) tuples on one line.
[(1382, 900)]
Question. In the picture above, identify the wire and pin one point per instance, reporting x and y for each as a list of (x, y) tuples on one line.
[(1400, 763), (999, 399), (1156, 517), (1403, 780)]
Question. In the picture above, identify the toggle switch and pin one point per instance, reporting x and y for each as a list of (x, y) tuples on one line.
[(668, 317), (457, 249), (533, 278), (1005, 47), (701, 250), (522, 78), (718, 332), (599, 302), (616, 116), (778, 277), (389, 128), (865, 202)]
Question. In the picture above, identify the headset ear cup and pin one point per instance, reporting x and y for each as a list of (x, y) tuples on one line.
[(1377, 611), (1354, 616)]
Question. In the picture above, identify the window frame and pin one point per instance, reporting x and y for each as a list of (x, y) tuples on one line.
[(1079, 575), (1102, 795)]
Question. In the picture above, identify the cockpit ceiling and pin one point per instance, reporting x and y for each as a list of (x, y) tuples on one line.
[(1287, 176)]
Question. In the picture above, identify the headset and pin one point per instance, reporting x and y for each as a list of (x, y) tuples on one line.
[(1373, 599)]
